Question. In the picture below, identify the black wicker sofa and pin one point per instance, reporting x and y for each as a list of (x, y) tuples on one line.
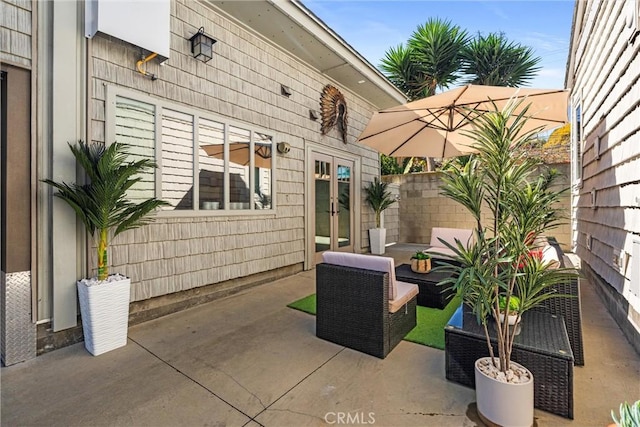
[(360, 305), (568, 307)]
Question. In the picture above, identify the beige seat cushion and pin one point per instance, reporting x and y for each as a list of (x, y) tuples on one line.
[(366, 262), (450, 235), (406, 291), (435, 250)]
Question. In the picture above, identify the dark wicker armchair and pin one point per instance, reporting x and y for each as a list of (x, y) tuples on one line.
[(568, 307), (354, 308)]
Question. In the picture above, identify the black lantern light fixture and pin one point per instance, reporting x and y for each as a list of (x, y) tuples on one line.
[(202, 46)]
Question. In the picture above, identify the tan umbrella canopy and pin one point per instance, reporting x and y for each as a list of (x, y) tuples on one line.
[(239, 153), (434, 126)]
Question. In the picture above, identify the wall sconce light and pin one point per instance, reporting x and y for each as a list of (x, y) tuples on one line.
[(313, 115), (283, 147), (202, 46), (285, 90)]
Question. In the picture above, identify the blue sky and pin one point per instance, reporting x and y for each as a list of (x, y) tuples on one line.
[(372, 26)]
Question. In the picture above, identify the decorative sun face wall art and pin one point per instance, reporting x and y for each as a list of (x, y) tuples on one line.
[(333, 108)]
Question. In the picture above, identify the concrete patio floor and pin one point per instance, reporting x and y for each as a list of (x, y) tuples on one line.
[(248, 360)]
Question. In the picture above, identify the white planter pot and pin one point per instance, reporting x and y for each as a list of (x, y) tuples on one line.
[(512, 318), (105, 314), (377, 238), (502, 403)]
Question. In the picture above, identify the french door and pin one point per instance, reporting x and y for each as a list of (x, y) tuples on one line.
[(333, 190)]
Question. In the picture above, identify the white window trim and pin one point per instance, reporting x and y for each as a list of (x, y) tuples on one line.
[(576, 143), (112, 92), (633, 21)]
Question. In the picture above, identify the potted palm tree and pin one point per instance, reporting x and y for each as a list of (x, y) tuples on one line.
[(379, 198), (500, 265), (102, 206)]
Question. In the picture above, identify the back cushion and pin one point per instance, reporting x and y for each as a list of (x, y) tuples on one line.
[(450, 235), (550, 256), (367, 262)]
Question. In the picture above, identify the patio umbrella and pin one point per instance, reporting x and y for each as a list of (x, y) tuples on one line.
[(239, 153), (431, 127)]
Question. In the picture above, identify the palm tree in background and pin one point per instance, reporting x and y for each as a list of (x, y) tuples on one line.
[(495, 61), (430, 60), (438, 54)]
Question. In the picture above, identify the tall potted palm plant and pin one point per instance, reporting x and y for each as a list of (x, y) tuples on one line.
[(103, 207), (379, 198), (512, 203)]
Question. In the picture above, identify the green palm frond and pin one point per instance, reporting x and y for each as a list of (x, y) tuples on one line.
[(102, 203), (437, 47), (378, 197), (404, 72), (629, 415), (493, 60), (430, 60)]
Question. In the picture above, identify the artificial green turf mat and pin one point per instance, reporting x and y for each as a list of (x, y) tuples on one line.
[(429, 330), (306, 304)]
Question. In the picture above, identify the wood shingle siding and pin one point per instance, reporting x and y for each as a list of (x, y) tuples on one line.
[(15, 32), (606, 76), (242, 85)]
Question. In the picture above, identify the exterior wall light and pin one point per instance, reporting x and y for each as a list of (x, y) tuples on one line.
[(202, 46)]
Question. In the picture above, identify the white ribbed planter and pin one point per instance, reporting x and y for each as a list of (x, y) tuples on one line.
[(377, 238), (501, 403), (105, 314), (512, 318)]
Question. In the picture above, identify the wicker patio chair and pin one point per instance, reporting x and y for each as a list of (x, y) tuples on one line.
[(568, 307), (365, 309)]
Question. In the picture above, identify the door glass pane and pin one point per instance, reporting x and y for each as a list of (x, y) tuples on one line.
[(211, 164), (239, 179), (323, 205), (344, 202)]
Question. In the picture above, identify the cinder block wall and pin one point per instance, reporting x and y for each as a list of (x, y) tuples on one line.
[(422, 207), (391, 216)]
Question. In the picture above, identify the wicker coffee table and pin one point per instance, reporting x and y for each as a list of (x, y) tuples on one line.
[(542, 347), (430, 295)]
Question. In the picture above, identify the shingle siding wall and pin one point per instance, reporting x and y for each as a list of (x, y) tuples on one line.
[(610, 108), (606, 75), (241, 83), (15, 32)]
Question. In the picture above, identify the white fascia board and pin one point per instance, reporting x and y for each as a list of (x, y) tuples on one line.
[(303, 16)]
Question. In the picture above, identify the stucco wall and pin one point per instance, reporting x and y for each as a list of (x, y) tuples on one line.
[(422, 207), (242, 83)]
